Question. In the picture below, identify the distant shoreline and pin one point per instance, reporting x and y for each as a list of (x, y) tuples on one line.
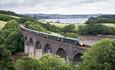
[(73, 20)]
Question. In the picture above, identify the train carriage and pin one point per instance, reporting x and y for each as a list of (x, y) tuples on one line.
[(67, 40)]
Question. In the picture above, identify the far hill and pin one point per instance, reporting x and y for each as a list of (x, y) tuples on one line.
[(10, 13), (61, 16)]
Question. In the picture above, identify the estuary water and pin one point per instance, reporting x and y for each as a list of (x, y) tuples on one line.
[(73, 20)]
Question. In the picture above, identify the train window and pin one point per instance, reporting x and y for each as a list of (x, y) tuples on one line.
[(52, 37), (77, 43), (68, 41), (72, 42), (59, 39), (45, 36), (42, 35)]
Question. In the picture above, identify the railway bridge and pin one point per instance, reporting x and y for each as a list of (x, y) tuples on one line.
[(38, 43)]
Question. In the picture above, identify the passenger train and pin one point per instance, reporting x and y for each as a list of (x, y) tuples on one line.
[(67, 40)]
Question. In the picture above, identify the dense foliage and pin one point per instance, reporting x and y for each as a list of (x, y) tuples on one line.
[(96, 29), (6, 62), (24, 19), (47, 62), (101, 19), (99, 57), (11, 37), (69, 28)]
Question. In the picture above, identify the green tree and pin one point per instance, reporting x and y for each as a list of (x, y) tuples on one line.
[(12, 36), (25, 19), (69, 28), (101, 19), (6, 62), (95, 29), (53, 62), (100, 56)]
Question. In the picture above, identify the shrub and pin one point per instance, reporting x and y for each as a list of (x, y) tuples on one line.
[(100, 56), (47, 62), (6, 62)]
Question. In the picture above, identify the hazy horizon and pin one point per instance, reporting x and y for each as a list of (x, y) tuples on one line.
[(64, 7)]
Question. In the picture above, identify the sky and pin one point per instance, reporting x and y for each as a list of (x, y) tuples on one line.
[(59, 6)]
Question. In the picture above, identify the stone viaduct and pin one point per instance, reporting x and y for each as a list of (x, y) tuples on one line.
[(36, 45)]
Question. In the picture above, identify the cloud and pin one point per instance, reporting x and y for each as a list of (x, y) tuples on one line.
[(44, 2), (58, 6)]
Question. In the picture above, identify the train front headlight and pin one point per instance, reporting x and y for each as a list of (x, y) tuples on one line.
[(81, 44)]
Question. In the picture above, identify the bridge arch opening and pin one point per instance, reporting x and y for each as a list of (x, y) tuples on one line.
[(61, 52), (77, 58), (26, 40), (38, 45), (31, 41), (47, 49)]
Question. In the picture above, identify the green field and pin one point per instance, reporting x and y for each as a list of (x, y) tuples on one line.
[(2, 24), (76, 25), (110, 24), (61, 25)]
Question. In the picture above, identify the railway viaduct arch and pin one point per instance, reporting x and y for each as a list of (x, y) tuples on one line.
[(36, 46)]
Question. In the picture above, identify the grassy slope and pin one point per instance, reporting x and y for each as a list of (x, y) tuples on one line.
[(2, 24)]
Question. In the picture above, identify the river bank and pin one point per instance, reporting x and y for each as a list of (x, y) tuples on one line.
[(93, 39)]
